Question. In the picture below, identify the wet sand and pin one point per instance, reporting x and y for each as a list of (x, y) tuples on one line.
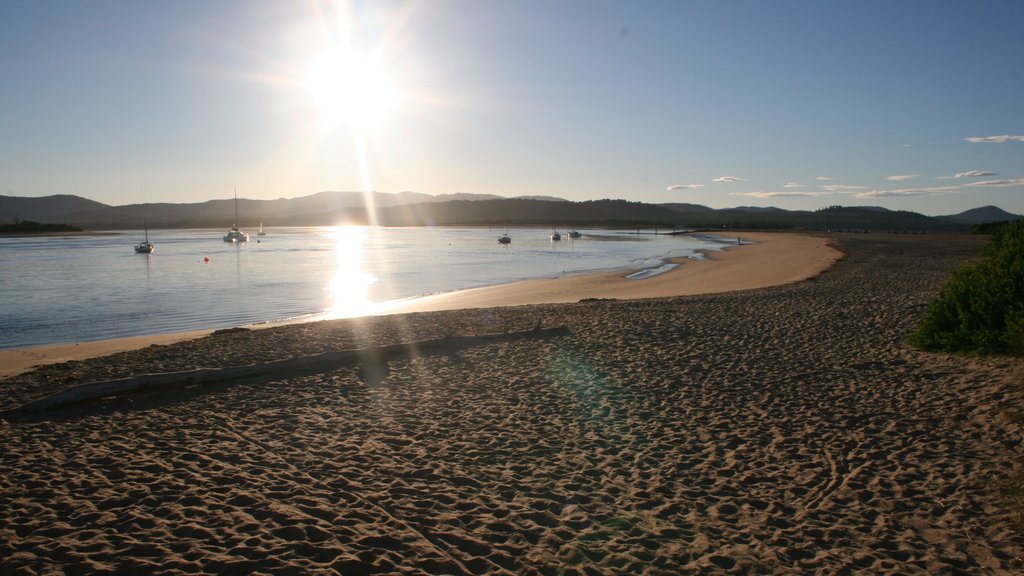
[(782, 430)]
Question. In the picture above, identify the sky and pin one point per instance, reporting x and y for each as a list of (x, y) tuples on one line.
[(910, 105)]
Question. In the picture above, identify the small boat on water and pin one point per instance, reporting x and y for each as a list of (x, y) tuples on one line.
[(505, 238), (573, 234), (145, 247), (236, 235), (555, 236), (261, 232)]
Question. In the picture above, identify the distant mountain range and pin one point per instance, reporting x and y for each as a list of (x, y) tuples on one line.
[(417, 209)]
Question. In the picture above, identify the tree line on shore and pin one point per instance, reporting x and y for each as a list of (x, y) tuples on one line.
[(334, 208)]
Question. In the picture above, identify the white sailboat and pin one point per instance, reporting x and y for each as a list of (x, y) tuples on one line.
[(236, 235), (505, 238), (261, 232), (145, 247)]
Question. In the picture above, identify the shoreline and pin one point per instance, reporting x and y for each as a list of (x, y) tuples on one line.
[(785, 430), (772, 259)]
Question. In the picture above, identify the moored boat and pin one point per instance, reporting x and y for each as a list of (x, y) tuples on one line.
[(145, 247), (505, 238), (234, 234)]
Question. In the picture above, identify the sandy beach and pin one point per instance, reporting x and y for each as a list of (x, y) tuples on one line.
[(765, 429)]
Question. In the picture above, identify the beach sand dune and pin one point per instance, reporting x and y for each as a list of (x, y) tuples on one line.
[(783, 430)]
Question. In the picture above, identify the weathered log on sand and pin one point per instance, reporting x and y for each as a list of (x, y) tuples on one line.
[(290, 366)]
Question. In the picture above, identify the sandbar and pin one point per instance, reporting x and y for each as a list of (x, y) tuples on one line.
[(772, 259)]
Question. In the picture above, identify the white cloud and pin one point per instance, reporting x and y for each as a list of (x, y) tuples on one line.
[(823, 178), (728, 179), (973, 174), (995, 139), (787, 193), (684, 186), (902, 177), (968, 174), (841, 188), (1013, 182), (903, 192), (888, 193), (794, 185)]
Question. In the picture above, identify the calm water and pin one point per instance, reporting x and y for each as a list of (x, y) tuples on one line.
[(70, 289)]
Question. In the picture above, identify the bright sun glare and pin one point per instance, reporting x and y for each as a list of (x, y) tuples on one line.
[(349, 288), (351, 89)]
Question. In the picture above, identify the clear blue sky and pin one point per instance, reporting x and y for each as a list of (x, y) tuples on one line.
[(913, 105)]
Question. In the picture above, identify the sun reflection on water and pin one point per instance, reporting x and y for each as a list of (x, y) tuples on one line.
[(350, 285)]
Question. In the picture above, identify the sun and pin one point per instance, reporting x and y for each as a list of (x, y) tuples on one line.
[(351, 90)]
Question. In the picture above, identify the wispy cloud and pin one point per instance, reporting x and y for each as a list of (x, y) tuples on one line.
[(684, 186), (968, 174), (794, 185), (902, 177), (783, 194), (903, 192), (1013, 182), (823, 178), (728, 179), (841, 188), (995, 139)]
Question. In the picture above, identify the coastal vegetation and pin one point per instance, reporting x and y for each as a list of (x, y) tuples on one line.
[(989, 227), (980, 309), (30, 227)]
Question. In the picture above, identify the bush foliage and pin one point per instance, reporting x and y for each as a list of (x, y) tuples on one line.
[(980, 309), (989, 227)]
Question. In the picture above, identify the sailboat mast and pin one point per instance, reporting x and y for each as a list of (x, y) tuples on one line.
[(236, 206)]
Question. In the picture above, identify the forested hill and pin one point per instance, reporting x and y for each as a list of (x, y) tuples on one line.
[(413, 209)]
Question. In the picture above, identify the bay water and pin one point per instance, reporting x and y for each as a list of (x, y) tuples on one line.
[(61, 289)]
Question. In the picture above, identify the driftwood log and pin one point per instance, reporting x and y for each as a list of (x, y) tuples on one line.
[(376, 357)]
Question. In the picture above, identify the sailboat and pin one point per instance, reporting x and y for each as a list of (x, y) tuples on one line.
[(261, 232), (145, 247), (574, 233), (505, 238), (555, 235), (236, 235)]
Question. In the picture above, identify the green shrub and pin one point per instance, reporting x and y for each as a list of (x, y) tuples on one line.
[(989, 227), (980, 309)]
